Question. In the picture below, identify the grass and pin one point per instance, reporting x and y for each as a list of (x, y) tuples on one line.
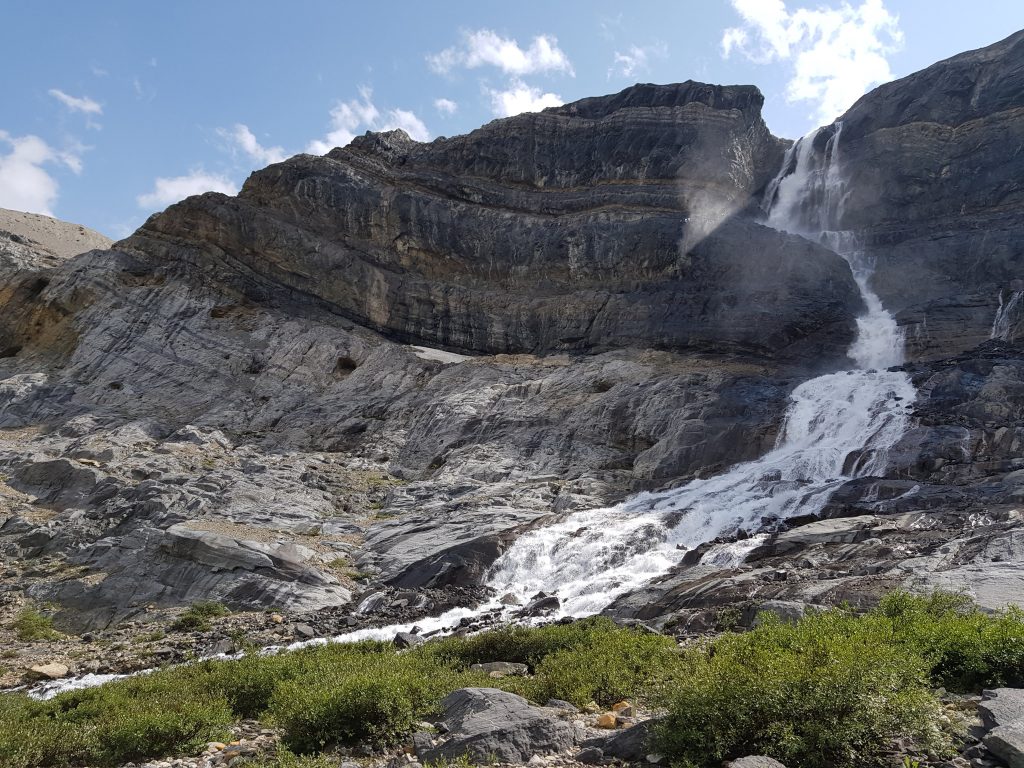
[(197, 617), (30, 625), (834, 689)]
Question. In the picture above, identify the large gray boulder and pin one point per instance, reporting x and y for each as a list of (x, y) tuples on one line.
[(1007, 743), (488, 724)]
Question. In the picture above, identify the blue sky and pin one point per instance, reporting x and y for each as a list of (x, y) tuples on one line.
[(111, 111)]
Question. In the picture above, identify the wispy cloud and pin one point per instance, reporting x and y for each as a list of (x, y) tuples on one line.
[(81, 104), (520, 97), (446, 106), (837, 54), (241, 139), (361, 114), (170, 190), (484, 47), (25, 185), (636, 60)]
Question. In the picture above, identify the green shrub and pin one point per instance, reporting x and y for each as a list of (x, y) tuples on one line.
[(965, 648), (128, 720), (30, 625), (832, 691), (197, 617), (358, 695)]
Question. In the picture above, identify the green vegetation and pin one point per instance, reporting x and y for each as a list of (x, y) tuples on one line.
[(31, 625), (833, 690), (830, 691), (197, 617)]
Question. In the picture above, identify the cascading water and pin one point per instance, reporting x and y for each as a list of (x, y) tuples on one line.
[(1007, 316), (592, 557), (837, 427)]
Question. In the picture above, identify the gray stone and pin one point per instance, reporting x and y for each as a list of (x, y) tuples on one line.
[(51, 671), (408, 640), (500, 668), (632, 744), (755, 761), (488, 724), (1001, 706), (590, 755), (1007, 743)]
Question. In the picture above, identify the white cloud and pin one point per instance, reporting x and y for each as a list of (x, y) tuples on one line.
[(636, 59), (351, 117), (520, 97), (171, 190), (75, 104), (837, 53), (483, 47), (446, 106), (24, 184), (244, 140)]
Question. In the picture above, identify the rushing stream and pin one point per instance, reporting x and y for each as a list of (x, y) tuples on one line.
[(837, 427)]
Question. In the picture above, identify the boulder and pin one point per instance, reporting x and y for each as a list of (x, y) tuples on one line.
[(488, 724), (500, 668), (1007, 743), (408, 640), (51, 671), (631, 744), (1001, 706)]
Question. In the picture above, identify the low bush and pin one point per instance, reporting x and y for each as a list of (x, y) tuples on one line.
[(197, 617), (832, 691), (965, 648), (127, 720), (31, 625), (359, 695)]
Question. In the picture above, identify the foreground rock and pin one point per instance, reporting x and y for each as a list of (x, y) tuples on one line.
[(489, 724)]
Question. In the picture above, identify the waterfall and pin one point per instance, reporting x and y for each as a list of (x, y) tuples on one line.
[(593, 557), (837, 427), (1003, 327)]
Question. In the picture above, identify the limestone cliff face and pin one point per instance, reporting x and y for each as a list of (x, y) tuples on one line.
[(935, 165), (607, 223)]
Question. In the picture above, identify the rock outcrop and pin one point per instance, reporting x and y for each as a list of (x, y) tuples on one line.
[(224, 405), (935, 173), (380, 366)]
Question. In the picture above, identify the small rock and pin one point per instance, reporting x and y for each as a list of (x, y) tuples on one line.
[(500, 668), (590, 755), (51, 671), (606, 720), (421, 742), (304, 630), (277, 618), (755, 761), (408, 640)]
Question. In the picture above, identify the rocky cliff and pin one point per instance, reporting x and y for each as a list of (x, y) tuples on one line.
[(935, 166), (374, 369)]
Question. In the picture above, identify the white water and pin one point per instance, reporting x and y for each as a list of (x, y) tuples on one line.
[(1006, 316), (837, 426)]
